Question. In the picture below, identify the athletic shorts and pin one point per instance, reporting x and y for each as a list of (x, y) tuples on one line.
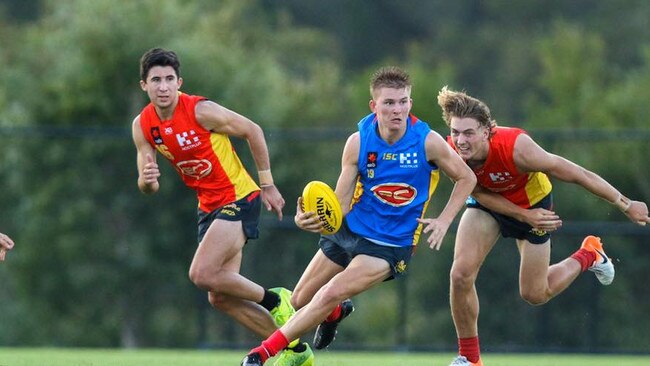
[(246, 210), (341, 247), (513, 228)]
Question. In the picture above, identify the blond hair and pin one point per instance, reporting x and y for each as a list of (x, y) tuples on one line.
[(389, 77), (460, 105)]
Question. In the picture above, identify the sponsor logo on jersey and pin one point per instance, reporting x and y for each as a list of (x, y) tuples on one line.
[(169, 130), (195, 168), (187, 140), (405, 159), (395, 194), (227, 212), (155, 136), (389, 156), (500, 177), (371, 163), (408, 160)]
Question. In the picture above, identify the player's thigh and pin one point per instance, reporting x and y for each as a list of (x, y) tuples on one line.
[(477, 233), (319, 272), (534, 263), (222, 245), (362, 273)]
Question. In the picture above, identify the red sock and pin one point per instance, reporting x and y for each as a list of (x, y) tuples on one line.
[(469, 348), (335, 314), (271, 346), (584, 257), (260, 350)]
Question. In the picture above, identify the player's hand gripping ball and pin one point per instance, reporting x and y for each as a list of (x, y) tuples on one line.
[(318, 197)]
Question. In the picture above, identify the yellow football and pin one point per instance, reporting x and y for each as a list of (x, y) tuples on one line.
[(318, 197)]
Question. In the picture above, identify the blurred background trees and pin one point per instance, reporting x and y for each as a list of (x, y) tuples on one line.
[(98, 264)]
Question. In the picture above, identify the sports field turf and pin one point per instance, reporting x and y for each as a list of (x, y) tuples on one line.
[(102, 357)]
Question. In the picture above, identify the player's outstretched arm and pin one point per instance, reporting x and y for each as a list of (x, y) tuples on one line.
[(538, 218), (439, 152), (530, 157)]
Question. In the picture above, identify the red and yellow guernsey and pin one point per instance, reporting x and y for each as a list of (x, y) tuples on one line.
[(500, 175), (205, 160)]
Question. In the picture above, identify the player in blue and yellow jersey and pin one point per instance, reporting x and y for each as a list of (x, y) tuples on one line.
[(192, 133), (390, 169), (513, 199)]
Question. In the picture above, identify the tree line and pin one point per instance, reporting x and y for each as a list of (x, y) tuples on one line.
[(98, 264)]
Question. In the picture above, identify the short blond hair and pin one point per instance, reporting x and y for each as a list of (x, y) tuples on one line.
[(389, 77)]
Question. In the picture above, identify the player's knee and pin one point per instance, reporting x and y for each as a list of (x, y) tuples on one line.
[(332, 294), (218, 301), (202, 277), (461, 278), (299, 298), (534, 298)]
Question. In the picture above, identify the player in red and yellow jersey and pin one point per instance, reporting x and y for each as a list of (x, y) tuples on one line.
[(192, 133), (513, 199)]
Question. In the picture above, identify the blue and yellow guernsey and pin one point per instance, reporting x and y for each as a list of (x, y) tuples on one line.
[(394, 186)]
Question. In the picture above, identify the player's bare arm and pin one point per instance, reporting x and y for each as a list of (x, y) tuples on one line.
[(148, 171), (5, 244), (347, 180), (440, 153), (219, 119), (530, 157), (538, 218), (344, 187)]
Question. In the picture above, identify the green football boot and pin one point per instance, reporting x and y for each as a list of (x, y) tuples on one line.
[(289, 357), (284, 310)]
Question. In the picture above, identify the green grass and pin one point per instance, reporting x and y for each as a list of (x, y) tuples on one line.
[(103, 357)]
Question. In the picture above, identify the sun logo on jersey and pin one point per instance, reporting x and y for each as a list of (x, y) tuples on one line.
[(395, 194), (195, 168)]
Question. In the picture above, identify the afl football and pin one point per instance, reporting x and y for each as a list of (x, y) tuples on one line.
[(318, 197)]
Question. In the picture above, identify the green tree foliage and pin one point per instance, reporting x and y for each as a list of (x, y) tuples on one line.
[(99, 264)]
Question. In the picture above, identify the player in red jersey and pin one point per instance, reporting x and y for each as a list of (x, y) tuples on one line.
[(513, 198), (5, 244), (193, 134)]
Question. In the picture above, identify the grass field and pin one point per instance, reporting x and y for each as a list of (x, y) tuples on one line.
[(102, 357)]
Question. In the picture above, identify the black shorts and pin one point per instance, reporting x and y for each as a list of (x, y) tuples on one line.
[(513, 228), (246, 210), (341, 247)]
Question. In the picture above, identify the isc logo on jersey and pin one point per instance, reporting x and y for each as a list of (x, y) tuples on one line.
[(395, 194)]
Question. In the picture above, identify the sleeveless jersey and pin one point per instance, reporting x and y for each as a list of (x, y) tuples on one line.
[(499, 173), (206, 161), (394, 185)]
